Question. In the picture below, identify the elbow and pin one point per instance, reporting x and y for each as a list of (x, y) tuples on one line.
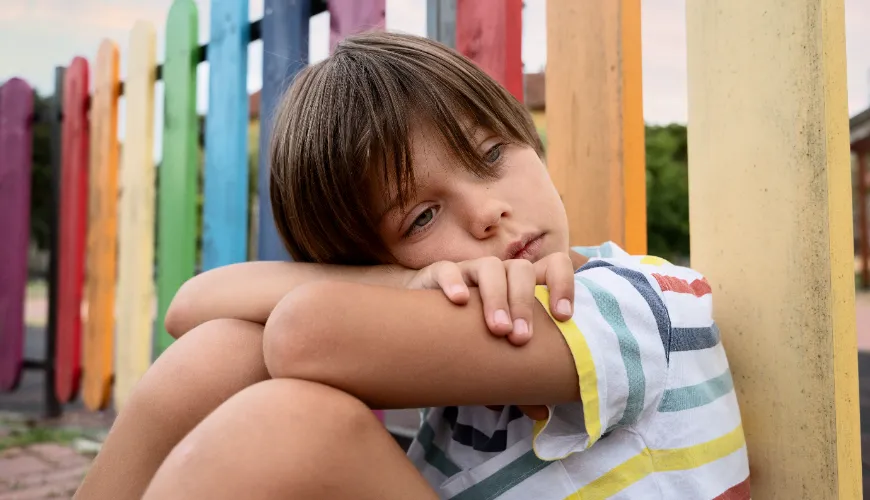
[(299, 339)]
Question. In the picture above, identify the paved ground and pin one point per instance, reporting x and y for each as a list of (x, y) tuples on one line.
[(53, 470), (41, 471)]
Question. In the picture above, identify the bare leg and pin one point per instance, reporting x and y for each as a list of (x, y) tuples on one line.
[(194, 376), (293, 439)]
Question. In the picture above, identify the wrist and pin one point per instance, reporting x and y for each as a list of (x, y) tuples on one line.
[(391, 275)]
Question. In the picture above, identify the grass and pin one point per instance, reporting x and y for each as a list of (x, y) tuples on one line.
[(35, 435)]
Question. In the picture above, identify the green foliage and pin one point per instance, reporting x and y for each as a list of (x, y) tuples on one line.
[(667, 191), (40, 190)]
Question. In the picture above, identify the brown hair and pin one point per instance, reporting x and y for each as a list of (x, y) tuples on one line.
[(342, 134)]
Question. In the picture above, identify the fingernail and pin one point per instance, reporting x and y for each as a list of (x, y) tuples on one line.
[(501, 317), (521, 327), (563, 307), (455, 290)]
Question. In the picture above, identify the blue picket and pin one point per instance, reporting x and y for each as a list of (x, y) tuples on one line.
[(284, 31), (225, 205)]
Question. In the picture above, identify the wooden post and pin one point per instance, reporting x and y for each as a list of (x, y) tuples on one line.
[(102, 233), (771, 227), (490, 32), (285, 52), (16, 118), (225, 204), (862, 217), (441, 21), (177, 176), (595, 129), (134, 322), (72, 225), (348, 17)]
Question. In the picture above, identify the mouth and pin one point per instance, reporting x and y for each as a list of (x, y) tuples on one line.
[(528, 248)]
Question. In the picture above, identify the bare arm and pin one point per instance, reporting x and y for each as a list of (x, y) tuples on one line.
[(405, 349), (250, 290)]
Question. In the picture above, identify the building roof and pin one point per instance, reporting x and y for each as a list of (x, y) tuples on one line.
[(859, 130)]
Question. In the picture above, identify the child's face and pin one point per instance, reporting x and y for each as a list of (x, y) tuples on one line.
[(457, 216)]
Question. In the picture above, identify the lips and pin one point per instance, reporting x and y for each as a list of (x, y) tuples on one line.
[(527, 248)]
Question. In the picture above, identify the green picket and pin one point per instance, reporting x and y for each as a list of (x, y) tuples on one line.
[(177, 175)]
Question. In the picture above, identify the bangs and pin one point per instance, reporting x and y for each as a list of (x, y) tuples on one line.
[(342, 138)]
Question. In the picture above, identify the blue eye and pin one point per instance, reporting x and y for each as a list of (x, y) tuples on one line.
[(424, 218), (421, 221), (494, 153)]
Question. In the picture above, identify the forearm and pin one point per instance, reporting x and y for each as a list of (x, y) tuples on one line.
[(401, 348), (250, 291)]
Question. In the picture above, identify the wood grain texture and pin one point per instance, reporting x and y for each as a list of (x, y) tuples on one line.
[(101, 256), (348, 17), (178, 172), (771, 227), (225, 190), (595, 129), (285, 52), (490, 33), (16, 116), (72, 229), (441, 21), (135, 296)]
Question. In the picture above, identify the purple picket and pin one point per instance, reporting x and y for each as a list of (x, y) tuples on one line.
[(347, 17), (16, 116)]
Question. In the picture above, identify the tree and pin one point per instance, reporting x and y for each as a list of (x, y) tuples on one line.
[(667, 191), (40, 191)]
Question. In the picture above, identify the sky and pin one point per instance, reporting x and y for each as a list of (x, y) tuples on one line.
[(38, 35)]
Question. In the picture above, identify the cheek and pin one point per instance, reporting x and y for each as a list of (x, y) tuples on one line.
[(444, 243)]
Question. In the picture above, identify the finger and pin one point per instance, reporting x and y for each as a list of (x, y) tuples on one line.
[(559, 278), (489, 274), (535, 412), (450, 281), (521, 298)]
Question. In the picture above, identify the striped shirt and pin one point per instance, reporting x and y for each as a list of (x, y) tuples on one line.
[(658, 418)]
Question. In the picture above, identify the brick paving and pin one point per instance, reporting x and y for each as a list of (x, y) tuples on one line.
[(40, 471)]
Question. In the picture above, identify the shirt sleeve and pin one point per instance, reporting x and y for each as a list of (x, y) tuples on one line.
[(619, 337)]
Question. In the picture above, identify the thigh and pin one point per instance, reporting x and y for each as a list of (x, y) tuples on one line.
[(289, 439), (191, 378)]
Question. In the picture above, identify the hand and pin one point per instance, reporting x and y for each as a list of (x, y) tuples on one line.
[(507, 289)]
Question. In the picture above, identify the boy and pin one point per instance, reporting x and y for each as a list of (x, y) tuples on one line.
[(398, 151)]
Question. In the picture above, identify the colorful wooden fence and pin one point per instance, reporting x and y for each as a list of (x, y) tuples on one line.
[(770, 191)]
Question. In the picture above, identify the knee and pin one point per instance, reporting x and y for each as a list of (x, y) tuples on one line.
[(199, 370), (323, 418), (307, 402)]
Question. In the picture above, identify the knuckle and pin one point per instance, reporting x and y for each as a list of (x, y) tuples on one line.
[(518, 264), (490, 261)]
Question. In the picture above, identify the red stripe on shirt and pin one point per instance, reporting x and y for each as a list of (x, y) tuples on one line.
[(736, 492), (698, 288)]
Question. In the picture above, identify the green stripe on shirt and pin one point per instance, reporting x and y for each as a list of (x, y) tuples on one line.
[(433, 455), (693, 396), (504, 479), (608, 306)]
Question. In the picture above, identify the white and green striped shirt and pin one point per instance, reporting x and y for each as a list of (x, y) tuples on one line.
[(658, 419)]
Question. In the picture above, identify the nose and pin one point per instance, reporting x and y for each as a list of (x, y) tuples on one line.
[(487, 216)]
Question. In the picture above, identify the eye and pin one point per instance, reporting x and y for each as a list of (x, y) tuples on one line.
[(422, 221), (494, 153)]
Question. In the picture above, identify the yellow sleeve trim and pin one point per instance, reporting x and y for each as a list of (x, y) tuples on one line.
[(653, 261), (585, 367)]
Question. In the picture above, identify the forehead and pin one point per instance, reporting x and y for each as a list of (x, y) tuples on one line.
[(431, 159)]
